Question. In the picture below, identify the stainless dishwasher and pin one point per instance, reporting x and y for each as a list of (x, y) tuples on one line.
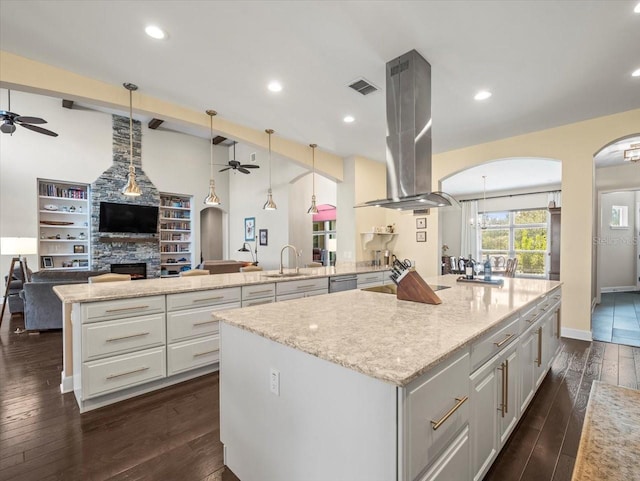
[(343, 283)]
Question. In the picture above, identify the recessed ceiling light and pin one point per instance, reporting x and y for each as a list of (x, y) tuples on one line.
[(348, 119), (155, 32), (636, 73), (637, 9), (275, 86), (483, 95)]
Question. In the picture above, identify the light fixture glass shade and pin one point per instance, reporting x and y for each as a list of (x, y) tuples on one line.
[(132, 189), (270, 204), (212, 198), (313, 209), (633, 153)]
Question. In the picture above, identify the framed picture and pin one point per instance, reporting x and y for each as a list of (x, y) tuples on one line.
[(421, 236), (264, 237), (421, 223), (47, 261), (78, 249), (249, 228)]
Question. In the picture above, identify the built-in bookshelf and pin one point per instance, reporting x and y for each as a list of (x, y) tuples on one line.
[(63, 223), (176, 242)]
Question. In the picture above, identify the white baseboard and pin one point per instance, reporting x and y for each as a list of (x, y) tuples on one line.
[(66, 383), (576, 334), (619, 289)]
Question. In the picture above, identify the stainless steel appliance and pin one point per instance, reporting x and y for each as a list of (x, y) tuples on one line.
[(343, 283)]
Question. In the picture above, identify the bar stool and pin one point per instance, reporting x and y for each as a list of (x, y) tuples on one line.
[(110, 277), (194, 272)]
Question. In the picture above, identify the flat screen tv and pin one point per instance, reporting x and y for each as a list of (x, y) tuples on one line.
[(139, 219)]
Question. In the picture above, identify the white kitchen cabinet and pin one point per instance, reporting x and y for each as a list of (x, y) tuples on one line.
[(454, 463), (301, 288), (370, 279), (255, 295), (494, 407), (528, 347)]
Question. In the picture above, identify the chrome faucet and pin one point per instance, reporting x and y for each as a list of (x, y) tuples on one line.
[(295, 251)]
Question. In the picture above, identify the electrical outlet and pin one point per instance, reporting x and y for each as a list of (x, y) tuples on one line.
[(274, 381), (252, 157)]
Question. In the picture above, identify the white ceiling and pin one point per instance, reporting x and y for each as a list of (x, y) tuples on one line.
[(505, 174), (547, 63), (613, 154)]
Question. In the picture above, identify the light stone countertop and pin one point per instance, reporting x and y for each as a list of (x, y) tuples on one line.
[(106, 291), (610, 436), (382, 337)]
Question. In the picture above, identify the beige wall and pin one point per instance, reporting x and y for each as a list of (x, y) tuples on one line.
[(574, 145)]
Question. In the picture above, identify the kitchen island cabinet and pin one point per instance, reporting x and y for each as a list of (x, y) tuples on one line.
[(369, 387)]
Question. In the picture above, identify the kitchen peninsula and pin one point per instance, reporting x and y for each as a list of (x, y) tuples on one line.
[(367, 387), (128, 338)]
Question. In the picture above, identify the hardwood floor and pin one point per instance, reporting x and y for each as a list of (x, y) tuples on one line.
[(173, 434)]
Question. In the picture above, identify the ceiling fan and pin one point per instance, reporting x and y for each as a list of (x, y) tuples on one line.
[(11, 119), (235, 165)]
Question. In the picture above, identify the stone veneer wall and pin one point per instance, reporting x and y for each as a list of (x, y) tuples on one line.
[(110, 248)]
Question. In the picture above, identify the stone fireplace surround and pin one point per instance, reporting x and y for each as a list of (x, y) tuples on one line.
[(123, 248)]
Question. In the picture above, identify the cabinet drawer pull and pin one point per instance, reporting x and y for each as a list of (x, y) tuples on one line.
[(113, 376), (558, 321), (505, 340), (127, 308), (202, 323), (459, 402), (258, 303), (264, 291), (506, 386), (533, 318), (200, 354), (203, 299), (140, 334), (305, 286), (502, 406)]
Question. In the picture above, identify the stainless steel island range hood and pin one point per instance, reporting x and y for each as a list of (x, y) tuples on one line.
[(409, 137)]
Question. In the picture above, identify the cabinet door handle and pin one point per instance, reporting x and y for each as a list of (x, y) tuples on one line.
[(558, 321), (502, 407), (533, 318), (539, 360), (200, 354), (202, 323), (202, 299), (459, 402), (140, 334), (505, 340), (113, 376), (506, 386), (127, 308)]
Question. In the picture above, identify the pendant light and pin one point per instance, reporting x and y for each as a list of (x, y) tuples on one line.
[(212, 198), (483, 222), (269, 204), (313, 209), (132, 189)]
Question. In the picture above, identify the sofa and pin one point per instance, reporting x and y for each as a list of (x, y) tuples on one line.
[(42, 307), (14, 300)]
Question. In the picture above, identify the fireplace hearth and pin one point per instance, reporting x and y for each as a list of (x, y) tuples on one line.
[(137, 270)]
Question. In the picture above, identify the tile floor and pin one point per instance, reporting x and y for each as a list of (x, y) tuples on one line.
[(617, 318)]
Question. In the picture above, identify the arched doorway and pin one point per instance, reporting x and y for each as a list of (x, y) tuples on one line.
[(211, 233)]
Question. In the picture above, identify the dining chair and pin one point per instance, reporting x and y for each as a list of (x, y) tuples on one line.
[(194, 272), (109, 277), (512, 264)]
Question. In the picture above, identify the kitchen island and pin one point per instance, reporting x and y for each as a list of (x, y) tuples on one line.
[(127, 338), (369, 387)]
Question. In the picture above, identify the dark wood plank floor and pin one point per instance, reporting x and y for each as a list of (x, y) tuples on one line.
[(173, 434)]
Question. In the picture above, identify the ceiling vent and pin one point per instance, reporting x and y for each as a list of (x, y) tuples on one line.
[(363, 86)]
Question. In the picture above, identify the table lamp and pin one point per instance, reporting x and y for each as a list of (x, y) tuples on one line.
[(20, 247)]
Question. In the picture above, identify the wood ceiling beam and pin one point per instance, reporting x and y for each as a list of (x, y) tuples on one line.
[(218, 139)]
